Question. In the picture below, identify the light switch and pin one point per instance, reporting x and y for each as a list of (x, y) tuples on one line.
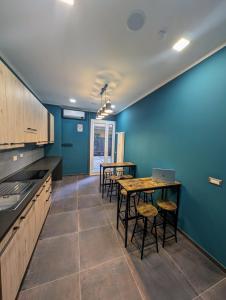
[(14, 157), (21, 155), (215, 181)]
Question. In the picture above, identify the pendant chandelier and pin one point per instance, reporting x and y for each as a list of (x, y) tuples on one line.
[(105, 105)]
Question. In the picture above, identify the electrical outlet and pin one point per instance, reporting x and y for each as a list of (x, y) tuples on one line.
[(14, 157), (215, 181), (21, 155)]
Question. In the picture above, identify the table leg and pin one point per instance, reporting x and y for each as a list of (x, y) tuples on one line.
[(100, 180), (118, 201), (103, 178), (134, 171), (177, 211), (126, 218)]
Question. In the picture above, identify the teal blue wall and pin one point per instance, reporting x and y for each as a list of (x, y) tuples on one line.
[(75, 158), (182, 126)]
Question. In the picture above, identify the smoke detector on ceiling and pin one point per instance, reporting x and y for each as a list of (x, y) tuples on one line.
[(136, 20)]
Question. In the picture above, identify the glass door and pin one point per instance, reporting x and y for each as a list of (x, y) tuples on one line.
[(102, 142)]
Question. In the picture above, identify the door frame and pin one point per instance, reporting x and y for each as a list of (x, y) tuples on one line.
[(92, 124)]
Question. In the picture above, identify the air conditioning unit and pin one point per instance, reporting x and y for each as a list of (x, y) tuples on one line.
[(73, 114)]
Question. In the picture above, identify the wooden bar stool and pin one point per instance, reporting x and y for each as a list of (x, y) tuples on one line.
[(168, 208), (107, 174), (148, 195), (123, 198), (145, 211), (113, 185)]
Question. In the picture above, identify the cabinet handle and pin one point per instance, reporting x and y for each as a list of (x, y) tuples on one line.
[(4, 144), (48, 189), (48, 198), (41, 191)]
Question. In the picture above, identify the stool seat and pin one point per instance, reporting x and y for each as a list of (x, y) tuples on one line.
[(167, 205), (127, 176), (147, 210), (115, 177), (124, 193), (149, 192)]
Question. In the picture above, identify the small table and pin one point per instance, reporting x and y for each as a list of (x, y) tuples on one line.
[(114, 165), (141, 185)]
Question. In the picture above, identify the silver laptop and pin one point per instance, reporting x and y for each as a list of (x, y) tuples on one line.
[(167, 175)]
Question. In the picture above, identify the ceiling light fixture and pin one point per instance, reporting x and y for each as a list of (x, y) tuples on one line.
[(105, 108), (181, 44), (69, 2), (72, 100), (108, 108)]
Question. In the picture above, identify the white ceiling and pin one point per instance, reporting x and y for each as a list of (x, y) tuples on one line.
[(66, 51)]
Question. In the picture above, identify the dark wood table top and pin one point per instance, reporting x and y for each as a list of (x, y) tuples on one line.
[(146, 183)]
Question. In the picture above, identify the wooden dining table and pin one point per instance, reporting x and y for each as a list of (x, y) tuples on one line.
[(103, 166), (140, 185)]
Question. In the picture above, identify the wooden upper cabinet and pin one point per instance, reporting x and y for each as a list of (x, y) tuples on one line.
[(3, 110), (14, 99), (23, 118)]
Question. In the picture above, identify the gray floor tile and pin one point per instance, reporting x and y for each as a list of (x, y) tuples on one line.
[(97, 246), (200, 270), (88, 190), (109, 281), (58, 224), (88, 200), (111, 211), (88, 181), (63, 193), (53, 258), (92, 217), (63, 205), (158, 278), (218, 292), (60, 289)]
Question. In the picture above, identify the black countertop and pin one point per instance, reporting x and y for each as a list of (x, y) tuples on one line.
[(8, 217)]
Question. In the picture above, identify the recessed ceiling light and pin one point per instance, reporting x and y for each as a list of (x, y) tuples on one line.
[(181, 44), (69, 2), (72, 100), (113, 106)]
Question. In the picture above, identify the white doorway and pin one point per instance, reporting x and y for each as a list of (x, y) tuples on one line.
[(102, 144)]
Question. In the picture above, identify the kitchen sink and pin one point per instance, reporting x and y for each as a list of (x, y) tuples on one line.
[(12, 194), (28, 175), (10, 201)]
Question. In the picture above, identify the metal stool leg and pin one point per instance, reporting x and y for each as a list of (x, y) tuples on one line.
[(144, 235), (156, 235), (134, 229), (111, 190), (164, 229)]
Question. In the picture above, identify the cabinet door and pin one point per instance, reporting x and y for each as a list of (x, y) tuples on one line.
[(30, 232), (14, 98), (13, 264), (3, 109), (30, 115), (40, 210)]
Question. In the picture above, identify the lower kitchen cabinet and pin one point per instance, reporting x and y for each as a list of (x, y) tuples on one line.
[(18, 246)]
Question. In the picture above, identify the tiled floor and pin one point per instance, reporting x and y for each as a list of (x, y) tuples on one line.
[(81, 256)]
